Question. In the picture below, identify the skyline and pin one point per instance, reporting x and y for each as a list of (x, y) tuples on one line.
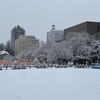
[(37, 17)]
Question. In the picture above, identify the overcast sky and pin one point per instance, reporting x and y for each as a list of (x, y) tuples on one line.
[(37, 16)]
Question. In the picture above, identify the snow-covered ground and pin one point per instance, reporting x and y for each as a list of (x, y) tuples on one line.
[(50, 84)]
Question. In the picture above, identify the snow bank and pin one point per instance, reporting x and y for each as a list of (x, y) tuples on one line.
[(50, 84)]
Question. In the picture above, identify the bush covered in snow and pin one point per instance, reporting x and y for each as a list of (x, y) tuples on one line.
[(76, 44)]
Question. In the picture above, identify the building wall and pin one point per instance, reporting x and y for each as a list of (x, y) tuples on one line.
[(89, 27), (24, 43), (15, 32), (55, 36), (93, 27)]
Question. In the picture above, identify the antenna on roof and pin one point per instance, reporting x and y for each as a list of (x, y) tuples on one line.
[(18, 26), (53, 27)]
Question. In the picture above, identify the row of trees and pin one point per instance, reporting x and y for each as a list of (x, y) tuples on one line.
[(76, 45), (7, 47)]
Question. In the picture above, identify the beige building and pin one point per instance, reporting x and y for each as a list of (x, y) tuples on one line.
[(24, 42)]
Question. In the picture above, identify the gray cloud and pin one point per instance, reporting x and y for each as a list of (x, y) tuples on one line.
[(37, 16)]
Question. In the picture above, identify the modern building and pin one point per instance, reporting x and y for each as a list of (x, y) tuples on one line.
[(89, 27), (24, 42), (55, 36), (15, 32)]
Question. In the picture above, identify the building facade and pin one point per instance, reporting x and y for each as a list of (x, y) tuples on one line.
[(55, 36), (89, 27), (24, 42), (15, 32)]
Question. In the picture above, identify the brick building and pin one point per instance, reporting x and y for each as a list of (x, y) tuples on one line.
[(93, 28)]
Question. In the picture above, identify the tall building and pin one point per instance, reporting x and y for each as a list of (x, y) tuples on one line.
[(92, 28), (24, 42), (15, 32), (54, 35)]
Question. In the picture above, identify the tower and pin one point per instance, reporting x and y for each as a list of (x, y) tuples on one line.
[(54, 35), (15, 32)]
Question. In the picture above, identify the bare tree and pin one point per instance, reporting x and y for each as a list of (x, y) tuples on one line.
[(8, 47)]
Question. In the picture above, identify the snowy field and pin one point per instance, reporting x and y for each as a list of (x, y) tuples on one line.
[(50, 84)]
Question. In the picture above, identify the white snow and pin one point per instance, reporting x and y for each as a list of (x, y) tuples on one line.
[(50, 84), (3, 52)]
